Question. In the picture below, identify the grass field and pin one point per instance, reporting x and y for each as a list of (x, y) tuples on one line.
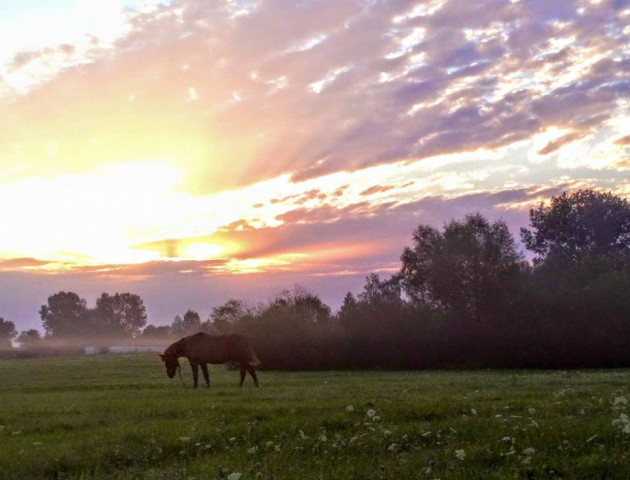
[(121, 417)]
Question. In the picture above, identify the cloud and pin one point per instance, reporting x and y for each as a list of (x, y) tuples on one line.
[(200, 136), (484, 74)]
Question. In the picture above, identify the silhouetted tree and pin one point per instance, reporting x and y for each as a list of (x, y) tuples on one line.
[(290, 331), (120, 315), (156, 333), (65, 316), (222, 319), (29, 338), (468, 270), (7, 333), (574, 226), (191, 323)]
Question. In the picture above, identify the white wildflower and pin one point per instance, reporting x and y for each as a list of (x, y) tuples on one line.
[(302, 435), (473, 411), (620, 401), (506, 439), (511, 452), (184, 439), (234, 476), (252, 450), (349, 408), (529, 451), (323, 438), (387, 433), (532, 411), (624, 422), (393, 447), (460, 454), (371, 413)]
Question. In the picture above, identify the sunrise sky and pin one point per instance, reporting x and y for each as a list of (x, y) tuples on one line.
[(192, 151)]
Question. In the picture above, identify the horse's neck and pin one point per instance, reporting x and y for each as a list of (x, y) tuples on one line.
[(175, 348)]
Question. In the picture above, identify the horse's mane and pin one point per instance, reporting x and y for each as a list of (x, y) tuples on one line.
[(175, 348)]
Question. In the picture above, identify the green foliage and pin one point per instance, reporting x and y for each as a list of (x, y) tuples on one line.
[(224, 317), (582, 224), (7, 333), (65, 315), (466, 270), (156, 333), (120, 315), (29, 338), (191, 323), (131, 422)]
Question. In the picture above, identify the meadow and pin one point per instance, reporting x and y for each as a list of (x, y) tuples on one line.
[(119, 416)]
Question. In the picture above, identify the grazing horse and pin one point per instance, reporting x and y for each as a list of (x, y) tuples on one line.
[(201, 349)]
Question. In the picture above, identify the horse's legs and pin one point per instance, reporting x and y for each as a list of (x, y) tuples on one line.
[(204, 369), (195, 370), (243, 373), (252, 372)]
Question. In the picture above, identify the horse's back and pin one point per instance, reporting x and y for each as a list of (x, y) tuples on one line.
[(207, 348)]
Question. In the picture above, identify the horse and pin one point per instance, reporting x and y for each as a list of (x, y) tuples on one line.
[(202, 348)]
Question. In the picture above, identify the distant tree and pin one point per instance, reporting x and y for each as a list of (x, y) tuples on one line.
[(306, 305), (191, 323), (156, 333), (120, 315), (29, 338), (223, 318), (375, 312), (469, 270), (574, 226), (65, 315), (348, 309), (7, 333)]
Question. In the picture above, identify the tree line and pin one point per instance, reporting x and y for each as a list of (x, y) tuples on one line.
[(465, 296)]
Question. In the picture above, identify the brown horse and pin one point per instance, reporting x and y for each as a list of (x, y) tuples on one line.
[(201, 349)]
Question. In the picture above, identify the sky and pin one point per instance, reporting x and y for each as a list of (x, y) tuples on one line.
[(195, 151)]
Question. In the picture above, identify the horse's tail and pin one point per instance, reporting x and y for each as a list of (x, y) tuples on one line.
[(253, 359)]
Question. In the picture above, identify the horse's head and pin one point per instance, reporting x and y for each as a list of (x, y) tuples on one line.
[(172, 364)]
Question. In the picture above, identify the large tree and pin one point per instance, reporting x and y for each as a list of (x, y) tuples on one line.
[(65, 315), (120, 315), (7, 333), (469, 270), (581, 224), (223, 318)]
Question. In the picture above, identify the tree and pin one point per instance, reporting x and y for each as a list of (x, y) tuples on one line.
[(185, 326), (7, 333), (120, 315), (29, 338), (574, 226), (65, 315), (156, 333), (223, 318), (470, 270)]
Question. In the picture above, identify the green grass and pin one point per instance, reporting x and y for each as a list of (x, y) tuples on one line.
[(121, 417)]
